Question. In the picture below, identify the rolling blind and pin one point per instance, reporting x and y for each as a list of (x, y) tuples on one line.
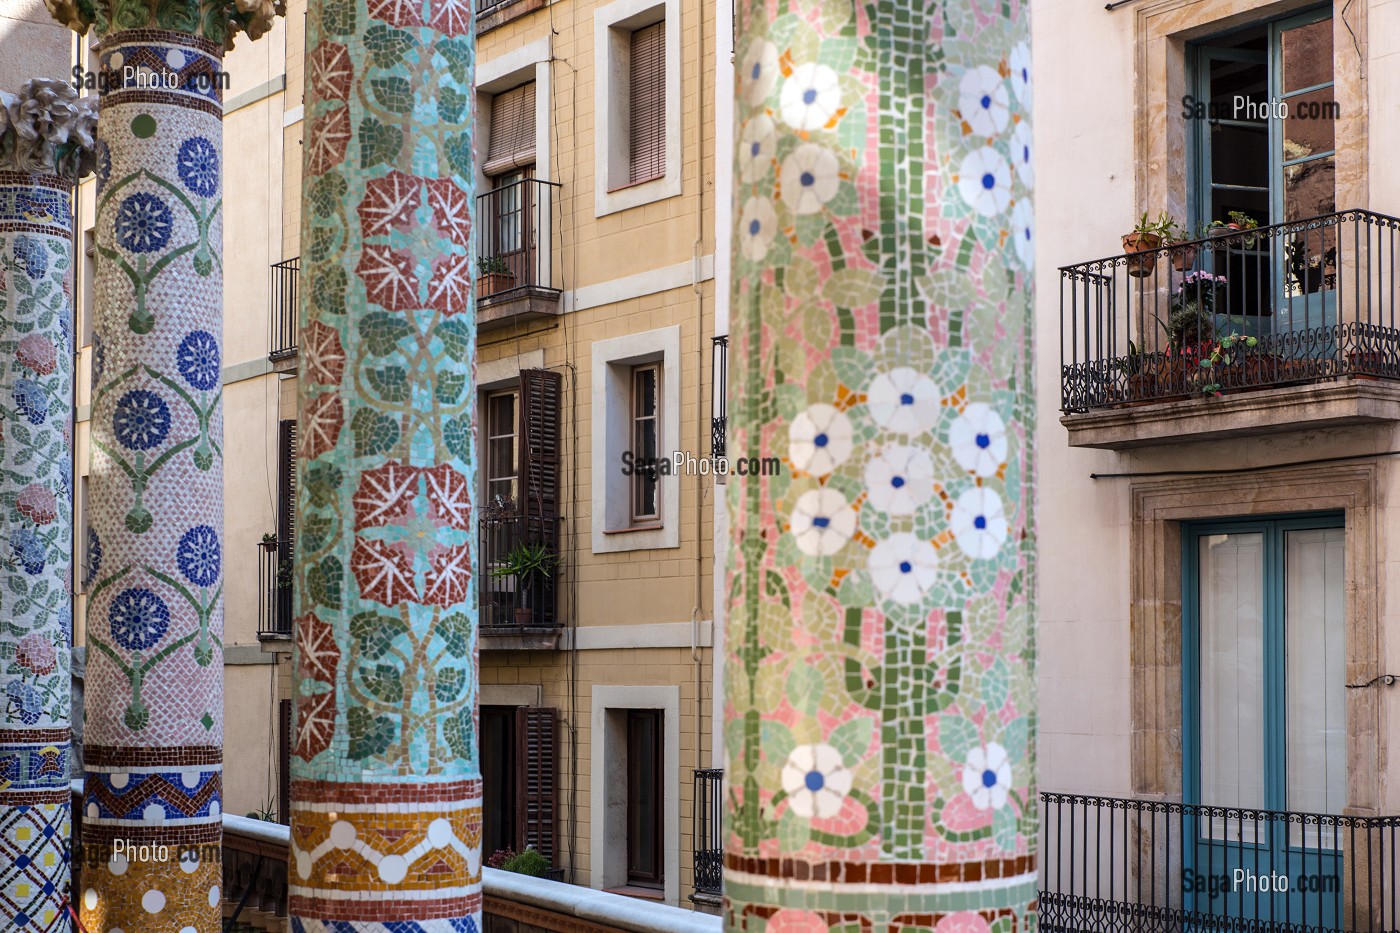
[(512, 130), (647, 107)]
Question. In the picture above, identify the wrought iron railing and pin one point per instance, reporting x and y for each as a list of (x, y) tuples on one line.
[(513, 229), (719, 401), (1291, 303), (709, 831), (282, 332), (1122, 866), (274, 590), (507, 601)]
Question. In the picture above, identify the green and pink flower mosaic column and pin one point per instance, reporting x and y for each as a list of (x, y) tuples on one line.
[(46, 142), (386, 785), (880, 698)]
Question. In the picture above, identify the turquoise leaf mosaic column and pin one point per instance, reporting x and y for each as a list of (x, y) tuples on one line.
[(879, 692), (386, 785), (154, 700), (46, 142)]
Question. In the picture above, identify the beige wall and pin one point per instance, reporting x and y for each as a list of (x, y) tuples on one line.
[(1110, 159), (32, 44)]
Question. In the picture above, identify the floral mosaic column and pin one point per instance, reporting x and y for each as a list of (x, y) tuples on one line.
[(879, 679), (154, 703), (46, 141), (386, 786)]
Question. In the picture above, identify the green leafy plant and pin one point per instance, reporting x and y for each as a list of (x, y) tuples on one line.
[(492, 265), (1239, 221), (529, 862), (267, 813), (524, 561), (284, 575), (1223, 353)]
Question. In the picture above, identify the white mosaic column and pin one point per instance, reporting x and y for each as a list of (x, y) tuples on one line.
[(46, 143), (879, 688)]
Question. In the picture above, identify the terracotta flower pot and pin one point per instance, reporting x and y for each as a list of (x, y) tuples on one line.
[(493, 283), (1183, 257), (1140, 247), (524, 615)]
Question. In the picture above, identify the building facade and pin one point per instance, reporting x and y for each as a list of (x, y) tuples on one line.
[(1215, 460)]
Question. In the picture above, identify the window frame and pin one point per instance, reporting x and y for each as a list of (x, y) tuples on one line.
[(487, 479), (642, 477), (653, 721)]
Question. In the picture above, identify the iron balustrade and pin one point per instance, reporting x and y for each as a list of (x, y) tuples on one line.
[(282, 330), (708, 835), (719, 387), (506, 601), (1113, 865), (274, 590), (1318, 297), (513, 230)]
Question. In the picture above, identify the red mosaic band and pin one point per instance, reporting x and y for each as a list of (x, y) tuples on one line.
[(35, 736), (374, 906), (33, 798), (193, 834), (41, 180), (882, 872), (353, 794), (183, 756), (139, 36)]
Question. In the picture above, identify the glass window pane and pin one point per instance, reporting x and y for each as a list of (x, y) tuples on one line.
[(1232, 670), (1310, 126), (1306, 53), (1239, 155), (1314, 620), (1309, 189), (645, 392), (1230, 80)]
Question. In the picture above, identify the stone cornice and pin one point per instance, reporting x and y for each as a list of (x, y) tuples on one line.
[(47, 129), (216, 20)]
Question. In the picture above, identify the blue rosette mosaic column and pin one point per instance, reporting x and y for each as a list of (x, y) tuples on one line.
[(154, 699), (879, 689), (46, 143), (386, 786)]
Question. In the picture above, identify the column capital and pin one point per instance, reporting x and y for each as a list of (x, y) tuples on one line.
[(216, 20), (47, 129)]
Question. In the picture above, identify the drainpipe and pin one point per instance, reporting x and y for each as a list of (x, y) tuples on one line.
[(696, 284)]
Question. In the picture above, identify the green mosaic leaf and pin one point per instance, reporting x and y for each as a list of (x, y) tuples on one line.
[(375, 433), (854, 288), (338, 17), (455, 632), (389, 383), (457, 336), (1004, 828), (449, 387), (452, 106), (852, 738), (449, 684), (375, 633), (805, 689), (328, 289), (459, 54), (314, 532), (370, 735), (957, 735), (777, 740), (459, 153), (386, 45), (996, 685), (457, 732), (321, 482), (734, 740), (457, 436), (382, 331), (384, 681), (326, 193), (1015, 738), (320, 243), (793, 831), (379, 143), (394, 93), (323, 582)]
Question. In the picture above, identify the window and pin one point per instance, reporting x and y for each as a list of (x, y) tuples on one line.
[(89, 283), (518, 779), (647, 103), (502, 465), (645, 741), (646, 442), (498, 781), (512, 129)]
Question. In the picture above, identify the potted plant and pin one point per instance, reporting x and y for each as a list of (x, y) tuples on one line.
[(1181, 246), (493, 276), (1192, 319), (1224, 353), (1143, 241), (523, 562), (1239, 221), (269, 542)]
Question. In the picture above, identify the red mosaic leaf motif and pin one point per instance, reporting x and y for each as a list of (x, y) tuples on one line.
[(315, 724), (389, 278), (451, 210), (397, 12), (324, 417), (451, 285), (389, 202), (447, 580), (328, 137), (383, 571), (325, 357), (450, 496), (318, 656), (452, 17), (37, 504), (385, 495), (332, 72)]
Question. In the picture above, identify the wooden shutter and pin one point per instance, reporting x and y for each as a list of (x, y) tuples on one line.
[(536, 780), (284, 762), (541, 392), (286, 515), (647, 103), (512, 130)]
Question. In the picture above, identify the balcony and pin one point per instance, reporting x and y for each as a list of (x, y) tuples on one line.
[(515, 613), (719, 401), (493, 13), (1110, 864), (282, 329), (274, 590), (709, 839), (1259, 331), (513, 283)]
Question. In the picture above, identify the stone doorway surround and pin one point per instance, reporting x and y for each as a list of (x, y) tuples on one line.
[(1161, 30), (1159, 506)]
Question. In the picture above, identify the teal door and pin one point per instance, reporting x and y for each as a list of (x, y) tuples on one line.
[(1264, 718)]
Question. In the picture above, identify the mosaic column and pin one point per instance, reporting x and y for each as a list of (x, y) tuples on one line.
[(46, 142), (386, 785), (880, 701), (154, 703)]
